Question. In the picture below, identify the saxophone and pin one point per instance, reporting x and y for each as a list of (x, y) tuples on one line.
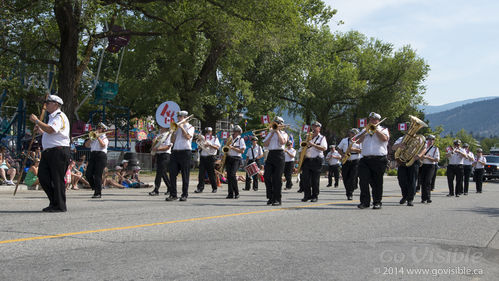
[(413, 143), (225, 150), (304, 147)]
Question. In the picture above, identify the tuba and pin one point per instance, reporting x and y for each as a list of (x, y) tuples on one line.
[(201, 141), (413, 143)]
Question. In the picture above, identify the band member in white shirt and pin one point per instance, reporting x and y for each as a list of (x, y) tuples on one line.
[(430, 159), (274, 142), (55, 155), (349, 170), (98, 160), (467, 162), (373, 163), (312, 164), (181, 157), (289, 163), (163, 153), (253, 155), (207, 161), (333, 158), (479, 163), (456, 157), (233, 160)]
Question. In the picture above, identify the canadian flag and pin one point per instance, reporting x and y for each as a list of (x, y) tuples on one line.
[(362, 122), (402, 126), (265, 119), (168, 120), (88, 127), (305, 128), (225, 135)]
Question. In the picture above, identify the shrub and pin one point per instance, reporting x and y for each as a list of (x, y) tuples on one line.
[(391, 172), (441, 172)]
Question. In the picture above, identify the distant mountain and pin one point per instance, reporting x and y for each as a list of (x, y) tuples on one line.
[(479, 118), (430, 109)]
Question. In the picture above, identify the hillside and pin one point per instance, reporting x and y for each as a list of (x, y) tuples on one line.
[(479, 118), (430, 109)]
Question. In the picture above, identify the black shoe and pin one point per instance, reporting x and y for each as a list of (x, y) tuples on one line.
[(409, 203), (449, 195), (236, 196), (377, 206), (198, 191), (300, 191), (478, 192), (171, 198), (276, 203), (335, 186), (313, 200), (255, 189), (362, 206), (153, 193), (96, 196), (183, 198), (328, 185), (167, 193), (466, 193), (457, 195), (56, 211), (269, 202), (349, 198), (47, 209), (423, 201), (214, 191), (229, 197), (305, 199), (246, 189), (402, 201), (428, 201)]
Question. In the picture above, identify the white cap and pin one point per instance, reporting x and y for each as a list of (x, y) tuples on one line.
[(316, 123), (279, 120), (102, 125), (374, 115), (55, 98), (182, 113), (118, 167), (208, 129), (237, 128)]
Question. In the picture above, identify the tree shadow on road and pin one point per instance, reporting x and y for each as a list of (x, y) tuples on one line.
[(491, 212)]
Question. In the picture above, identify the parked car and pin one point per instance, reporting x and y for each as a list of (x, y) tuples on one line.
[(491, 167)]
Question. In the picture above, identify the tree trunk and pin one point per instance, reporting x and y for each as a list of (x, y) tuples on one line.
[(68, 16)]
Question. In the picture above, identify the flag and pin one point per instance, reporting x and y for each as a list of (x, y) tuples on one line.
[(225, 135), (305, 128), (292, 140), (402, 126), (362, 122), (265, 119), (88, 127), (168, 120)]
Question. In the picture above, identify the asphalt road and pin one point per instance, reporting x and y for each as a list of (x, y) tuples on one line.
[(128, 235)]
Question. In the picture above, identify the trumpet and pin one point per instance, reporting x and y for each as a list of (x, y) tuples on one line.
[(371, 128), (276, 126)]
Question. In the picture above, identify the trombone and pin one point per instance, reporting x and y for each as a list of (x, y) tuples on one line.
[(92, 135)]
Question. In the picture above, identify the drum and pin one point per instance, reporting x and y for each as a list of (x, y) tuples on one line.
[(252, 169)]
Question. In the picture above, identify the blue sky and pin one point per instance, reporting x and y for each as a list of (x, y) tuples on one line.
[(458, 39)]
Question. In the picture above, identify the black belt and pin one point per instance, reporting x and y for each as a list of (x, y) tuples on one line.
[(373, 156), (457, 165), (276, 150), (56, 147), (181, 150)]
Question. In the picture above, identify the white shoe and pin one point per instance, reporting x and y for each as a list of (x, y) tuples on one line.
[(10, 182)]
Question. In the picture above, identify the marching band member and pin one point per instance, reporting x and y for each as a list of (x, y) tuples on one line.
[(372, 165), (98, 160), (253, 154), (274, 165), (181, 157), (430, 161), (479, 169), (55, 155), (456, 157), (407, 175), (163, 155), (467, 162), (349, 170), (312, 164), (207, 161), (333, 160), (289, 163), (233, 160)]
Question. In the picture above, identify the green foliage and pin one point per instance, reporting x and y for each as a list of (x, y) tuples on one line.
[(441, 172), (391, 172)]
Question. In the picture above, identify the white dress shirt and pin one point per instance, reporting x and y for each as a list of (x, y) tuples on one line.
[(331, 160), (238, 142), (210, 151), (254, 152), (478, 164), (373, 146), (274, 141), (95, 144), (433, 152), (167, 141), (344, 143), (467, 161), (313, 152), (181, 143), (456, 158), (288, 158), (60, 123)]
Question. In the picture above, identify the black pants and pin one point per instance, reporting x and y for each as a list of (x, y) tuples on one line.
[(334, 170), (288, 173), (311, 172), (254, 178), (427, 171), (455, 171), (162, 162), (479, 179), (207, 165), (95, 169), (434, 178), (466, 177), (51, 172), (180, 162), (274, 168), (407, 177), (349, 174), (371, 171), (232, 165)]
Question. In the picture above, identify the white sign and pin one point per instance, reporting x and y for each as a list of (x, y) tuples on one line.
[(166, 112)]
